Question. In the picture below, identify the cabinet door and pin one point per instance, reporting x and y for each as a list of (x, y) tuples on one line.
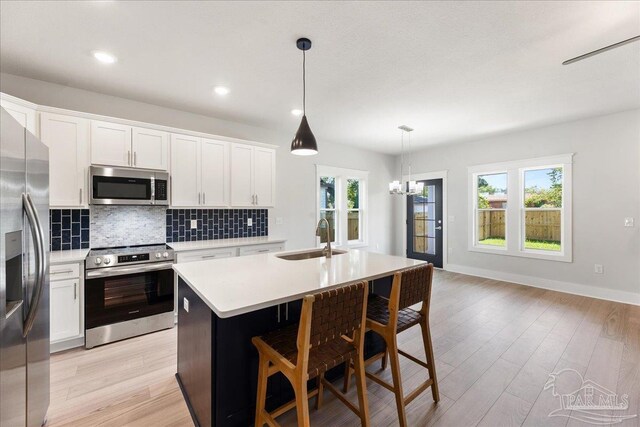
[(264, 176), (110, 144), (23, 115), (68, 141), (185, 170), (242, 193), (215, 173), (150, 149), (65, 309)]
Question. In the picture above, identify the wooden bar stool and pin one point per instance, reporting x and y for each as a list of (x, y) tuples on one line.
[(388, 317), (330, 332)]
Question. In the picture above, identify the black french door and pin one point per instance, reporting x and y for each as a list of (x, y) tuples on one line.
[(424, 223)]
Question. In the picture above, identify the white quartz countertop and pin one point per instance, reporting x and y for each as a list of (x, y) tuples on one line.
[(73, 255), (223, 243), (233, 286)]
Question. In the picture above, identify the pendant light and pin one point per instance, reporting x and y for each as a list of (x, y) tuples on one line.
[(413, 187), (304, 143)]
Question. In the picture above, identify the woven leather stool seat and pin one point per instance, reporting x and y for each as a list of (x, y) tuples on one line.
[(378, 311), (321, 358)]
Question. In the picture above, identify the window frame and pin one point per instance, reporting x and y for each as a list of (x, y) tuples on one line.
[(341, 175), (515, 233)]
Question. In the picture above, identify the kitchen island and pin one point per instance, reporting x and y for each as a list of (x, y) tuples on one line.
[(224, 303)]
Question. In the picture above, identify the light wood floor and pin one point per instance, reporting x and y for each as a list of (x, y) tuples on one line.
[(495, 345)]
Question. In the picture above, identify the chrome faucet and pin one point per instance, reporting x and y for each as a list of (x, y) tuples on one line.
[(327, 249)]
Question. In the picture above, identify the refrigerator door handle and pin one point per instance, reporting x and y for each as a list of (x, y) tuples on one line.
[(36, 231)]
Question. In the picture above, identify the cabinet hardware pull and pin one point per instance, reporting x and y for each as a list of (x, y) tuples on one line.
[(80, 195), (134, 158), (263, 250), (209, 256), (256, 199), (75, 291), (129, 157), (278, 313), (204, 198), (61, 272), (286, 312), (199, 198)]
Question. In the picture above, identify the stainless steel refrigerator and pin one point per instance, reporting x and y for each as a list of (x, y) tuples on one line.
[(24, 276)]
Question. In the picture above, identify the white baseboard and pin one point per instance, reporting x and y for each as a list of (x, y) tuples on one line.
[(554, 285), (66, 344)]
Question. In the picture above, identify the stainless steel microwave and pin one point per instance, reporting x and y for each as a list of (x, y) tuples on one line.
[(119, 186)]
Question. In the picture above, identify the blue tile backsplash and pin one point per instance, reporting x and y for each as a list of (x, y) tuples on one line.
[(215, 224), (68, 229), (71, 228)]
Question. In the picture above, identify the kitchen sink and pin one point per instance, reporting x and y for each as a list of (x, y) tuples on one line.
[(297, 256)]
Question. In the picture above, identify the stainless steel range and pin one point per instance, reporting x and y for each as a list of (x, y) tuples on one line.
[(129, 291)]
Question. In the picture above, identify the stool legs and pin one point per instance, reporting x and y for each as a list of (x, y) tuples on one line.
[(263, 375), (362, 389), (431, 361), (394, 359), (302, 405)]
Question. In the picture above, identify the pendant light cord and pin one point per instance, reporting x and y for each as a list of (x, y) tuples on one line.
[(304, 84)]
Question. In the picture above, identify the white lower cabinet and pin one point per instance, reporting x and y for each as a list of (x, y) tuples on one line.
[(260, 249), (66, 325)]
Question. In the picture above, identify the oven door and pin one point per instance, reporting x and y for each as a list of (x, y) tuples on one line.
[(112, 186), (118, 294)]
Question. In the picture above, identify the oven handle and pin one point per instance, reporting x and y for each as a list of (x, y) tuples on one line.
[(120, 271)]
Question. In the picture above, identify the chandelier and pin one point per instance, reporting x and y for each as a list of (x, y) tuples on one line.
[(413, 187)]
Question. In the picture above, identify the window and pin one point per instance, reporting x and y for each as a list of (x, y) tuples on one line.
[(342, 201), (328, 205), (353, 209), (491, 209), (522, 208), (542, 209)]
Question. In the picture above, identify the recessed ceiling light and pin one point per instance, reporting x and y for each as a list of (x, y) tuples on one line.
[(296, 112), (104, 57), (221, 90)]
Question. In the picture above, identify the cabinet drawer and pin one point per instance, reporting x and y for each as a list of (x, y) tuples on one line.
[(260, 249), (207, 254), (64, 271)]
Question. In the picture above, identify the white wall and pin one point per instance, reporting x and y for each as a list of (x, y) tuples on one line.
[(295, 197), (606, 189)]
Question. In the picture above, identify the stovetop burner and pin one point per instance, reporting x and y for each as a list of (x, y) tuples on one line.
[(127, 255), (134, 249)]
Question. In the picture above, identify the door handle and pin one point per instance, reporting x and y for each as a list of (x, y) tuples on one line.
[(60, 272), (129, 158), (38, 241)]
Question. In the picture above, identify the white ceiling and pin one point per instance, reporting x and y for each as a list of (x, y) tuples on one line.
[(452, 70)]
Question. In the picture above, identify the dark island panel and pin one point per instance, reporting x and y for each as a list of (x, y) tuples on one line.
[(218, 364)]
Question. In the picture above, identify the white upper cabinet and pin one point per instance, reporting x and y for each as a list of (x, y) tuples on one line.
[(68, 141), (214, 174), (252, 176), (150, 149), (264, 176), (23, 115), (242, 175), (185, 170), (110, 144), (113, 144)]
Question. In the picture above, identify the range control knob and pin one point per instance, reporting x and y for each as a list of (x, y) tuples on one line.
[(165, 255), (158, 255), (107, 261), (98, 261)]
